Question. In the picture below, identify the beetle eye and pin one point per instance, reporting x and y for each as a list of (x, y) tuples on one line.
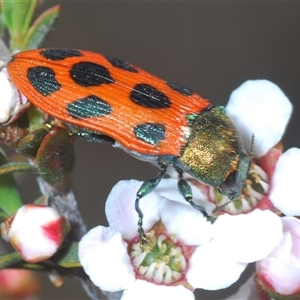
[(229, 186)]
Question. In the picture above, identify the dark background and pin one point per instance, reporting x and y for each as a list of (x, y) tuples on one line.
[(210, 47)]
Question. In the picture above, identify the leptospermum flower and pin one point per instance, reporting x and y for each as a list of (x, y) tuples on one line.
[(184, 250), (260, 110), (272, 182), (12, 103), (278, 274), (36, 232)]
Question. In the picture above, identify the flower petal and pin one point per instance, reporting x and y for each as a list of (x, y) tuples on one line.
[(259, 107), (103, 255), (120, 211), (149, 291), (284, 278), (283, 250), (289, 247), (237, 234), (292, 225), (284, 194), (210, 269), (189, 225), (168, 188)]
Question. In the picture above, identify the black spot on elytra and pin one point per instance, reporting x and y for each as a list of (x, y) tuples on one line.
[(121, 64), (87, 107), (90, 74), (43, 80), (60, 54), (148, 96), (151, 133), (182, 90)]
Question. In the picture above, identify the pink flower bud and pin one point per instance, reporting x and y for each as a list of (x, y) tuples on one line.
[(18, 284), (36, 232)]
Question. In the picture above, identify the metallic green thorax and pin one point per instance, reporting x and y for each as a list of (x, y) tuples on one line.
[(215, 153)]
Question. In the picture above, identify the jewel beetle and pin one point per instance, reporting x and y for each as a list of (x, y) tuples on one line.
[(150, 118)]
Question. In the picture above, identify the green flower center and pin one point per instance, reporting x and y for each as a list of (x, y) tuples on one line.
[(162, 260)]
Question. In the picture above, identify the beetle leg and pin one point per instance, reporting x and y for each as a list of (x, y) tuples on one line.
[(186, 191), (94, 137), (146, 188)]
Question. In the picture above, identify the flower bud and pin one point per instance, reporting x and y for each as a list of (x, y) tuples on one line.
[(18, 284), (36, 232)]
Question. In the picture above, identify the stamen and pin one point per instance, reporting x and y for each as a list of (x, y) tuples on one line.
[(137, 261), (158, 277), (149, 274)]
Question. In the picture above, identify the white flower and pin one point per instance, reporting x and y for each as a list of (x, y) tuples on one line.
[(36, 231), (184, 251), (267, 117), (279, 271), (12, 103), (259, 107)]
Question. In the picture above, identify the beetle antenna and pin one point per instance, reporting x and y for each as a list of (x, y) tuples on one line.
[(252, 147), (221, 207)]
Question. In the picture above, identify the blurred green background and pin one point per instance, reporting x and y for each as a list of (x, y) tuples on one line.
[(210, 47)]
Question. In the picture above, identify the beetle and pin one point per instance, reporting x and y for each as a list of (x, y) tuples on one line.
[(150, 118)]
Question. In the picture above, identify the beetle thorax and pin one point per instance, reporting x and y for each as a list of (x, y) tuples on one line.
[(214, 149)]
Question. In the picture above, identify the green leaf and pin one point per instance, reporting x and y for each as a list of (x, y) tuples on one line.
[(41, 27), (70, 259), (2, 23), (10, 199), (16, 167), (18, 16), (30, 144), (13, 260), (36, 118), (55, 157), (9, 260), (2, 215)]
